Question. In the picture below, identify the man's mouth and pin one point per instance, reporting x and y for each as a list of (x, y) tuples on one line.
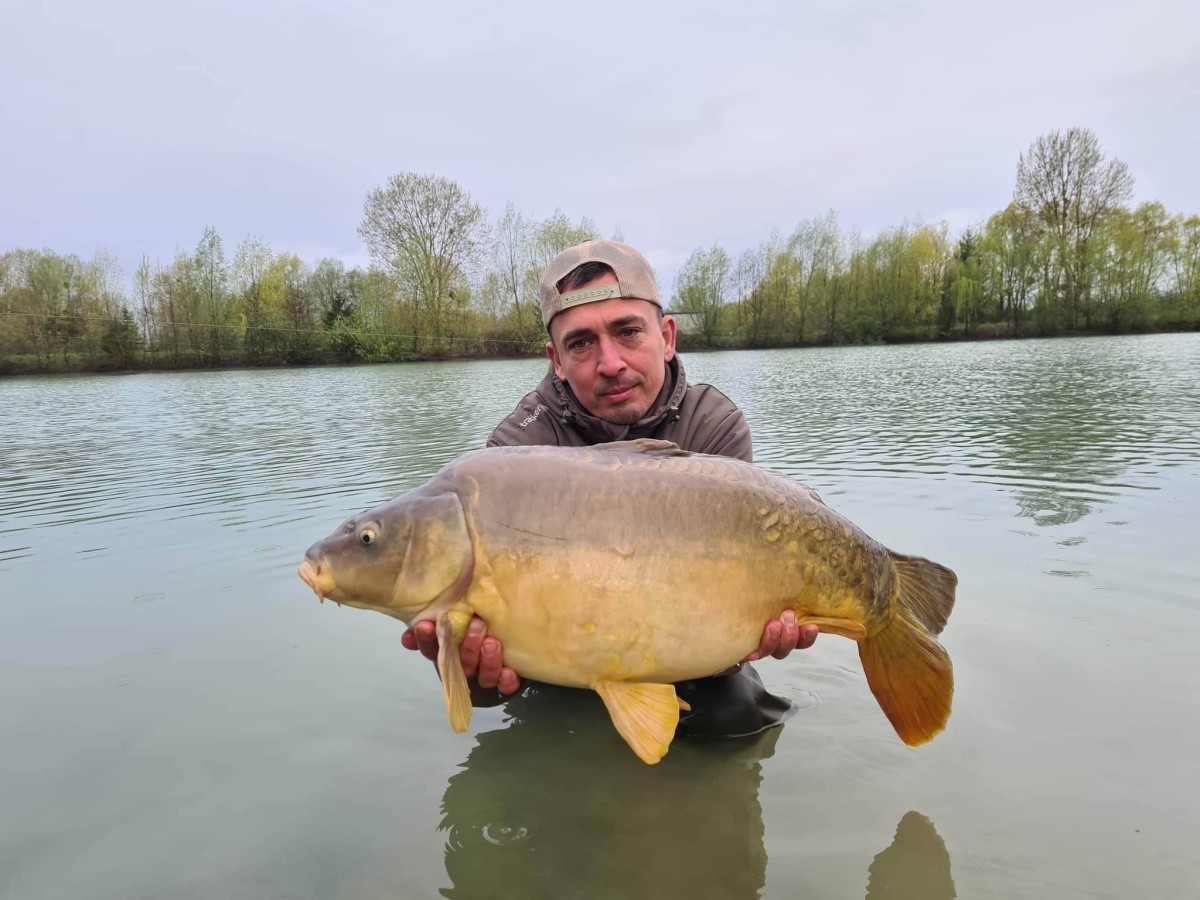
[(619, 393)]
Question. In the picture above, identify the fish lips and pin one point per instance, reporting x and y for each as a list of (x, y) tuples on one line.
[(317, 577)]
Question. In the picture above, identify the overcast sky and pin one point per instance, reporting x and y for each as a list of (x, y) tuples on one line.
[(133, 125)]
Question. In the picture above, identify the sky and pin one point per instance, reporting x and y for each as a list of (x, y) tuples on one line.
[(131, 126)]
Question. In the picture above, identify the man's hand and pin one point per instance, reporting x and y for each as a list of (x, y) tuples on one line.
[(782, 636), (481, 655)]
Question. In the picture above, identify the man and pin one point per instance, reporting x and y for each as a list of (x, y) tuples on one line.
[(614, 375)]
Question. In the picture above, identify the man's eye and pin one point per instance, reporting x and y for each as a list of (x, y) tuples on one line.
[(576, 346)]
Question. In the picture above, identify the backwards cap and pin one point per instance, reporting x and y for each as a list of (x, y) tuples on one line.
[(635, 278)]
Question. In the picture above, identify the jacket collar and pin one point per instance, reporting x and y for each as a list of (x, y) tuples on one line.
[(571, 412)]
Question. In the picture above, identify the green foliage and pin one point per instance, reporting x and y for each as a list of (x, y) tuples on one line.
[(556, 234), (1179, 306), (121, 340), (701, 291), (1067, 255), (429, 235)]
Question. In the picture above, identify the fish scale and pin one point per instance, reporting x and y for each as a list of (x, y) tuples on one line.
[(625, 568)]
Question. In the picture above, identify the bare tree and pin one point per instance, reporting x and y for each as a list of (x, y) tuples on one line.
[(1067, 183), (330, 289), (143, 285), (212, 285), (513, 257), (557, 234), (106, 275), (748, 275), (701, 288), (816, 246), (427, 232), (251, 261)]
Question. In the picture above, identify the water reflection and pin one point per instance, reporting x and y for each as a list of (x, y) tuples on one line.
[(1063, 427), (915, 867), (1072, 432), (555, 805), (151, 613)]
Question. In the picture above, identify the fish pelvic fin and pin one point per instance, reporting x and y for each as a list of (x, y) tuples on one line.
[(926, 590), (451, 629), (646, 715), (911, 676)]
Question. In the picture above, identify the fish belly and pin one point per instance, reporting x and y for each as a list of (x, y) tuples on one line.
[(643, 567), (584, 618)]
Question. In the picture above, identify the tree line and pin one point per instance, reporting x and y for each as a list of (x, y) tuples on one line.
[(1068, 255)]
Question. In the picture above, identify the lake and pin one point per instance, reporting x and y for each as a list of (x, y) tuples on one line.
[(179, 716)]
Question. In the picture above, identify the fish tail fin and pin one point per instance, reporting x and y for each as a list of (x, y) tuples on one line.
[(926, 590), (911, 676)]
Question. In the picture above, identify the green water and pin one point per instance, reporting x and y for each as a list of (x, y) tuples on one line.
[(179, 716)]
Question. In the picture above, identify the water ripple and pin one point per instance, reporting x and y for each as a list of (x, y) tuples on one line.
[(1063, 426), (239, 450)]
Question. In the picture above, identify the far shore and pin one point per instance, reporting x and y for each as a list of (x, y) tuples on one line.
[(147, 363)]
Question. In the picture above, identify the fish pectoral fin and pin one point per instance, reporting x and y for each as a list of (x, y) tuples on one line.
[(646, 715), (450, 670), (684, 706)]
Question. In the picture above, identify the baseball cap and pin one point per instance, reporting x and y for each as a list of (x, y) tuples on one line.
[(635, 278)]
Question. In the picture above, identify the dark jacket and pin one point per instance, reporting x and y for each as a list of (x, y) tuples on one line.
[(698, 418)]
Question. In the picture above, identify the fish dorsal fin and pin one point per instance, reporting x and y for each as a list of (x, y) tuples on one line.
[(455, 690), (646, 715), (645, 445), (926, 589)]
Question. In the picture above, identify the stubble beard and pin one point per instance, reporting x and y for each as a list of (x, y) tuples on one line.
[(628, 415), (629, 412)]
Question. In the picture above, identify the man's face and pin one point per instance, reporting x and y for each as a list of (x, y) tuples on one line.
[(613, 354)]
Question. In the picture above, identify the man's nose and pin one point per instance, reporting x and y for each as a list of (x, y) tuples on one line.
[(611, 362)]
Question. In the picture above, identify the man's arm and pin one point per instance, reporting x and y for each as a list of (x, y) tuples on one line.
[(712, 423), (731, 437), (532, 422)]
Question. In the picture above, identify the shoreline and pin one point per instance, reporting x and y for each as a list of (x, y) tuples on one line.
[(23, 368)]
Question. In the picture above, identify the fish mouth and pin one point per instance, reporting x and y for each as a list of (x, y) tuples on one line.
[(316, 577)]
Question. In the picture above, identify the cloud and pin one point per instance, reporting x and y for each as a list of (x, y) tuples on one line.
[(133, 125)]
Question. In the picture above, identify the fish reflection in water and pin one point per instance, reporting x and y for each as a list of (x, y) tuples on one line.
[(915, 867), (553, 806)]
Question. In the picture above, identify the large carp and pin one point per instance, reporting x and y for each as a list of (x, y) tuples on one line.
[(627, 567)]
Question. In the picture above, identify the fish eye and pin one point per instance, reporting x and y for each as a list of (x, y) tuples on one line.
[(367, 536)]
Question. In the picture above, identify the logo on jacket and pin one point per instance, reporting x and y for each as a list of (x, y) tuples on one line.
[(530, 419)]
